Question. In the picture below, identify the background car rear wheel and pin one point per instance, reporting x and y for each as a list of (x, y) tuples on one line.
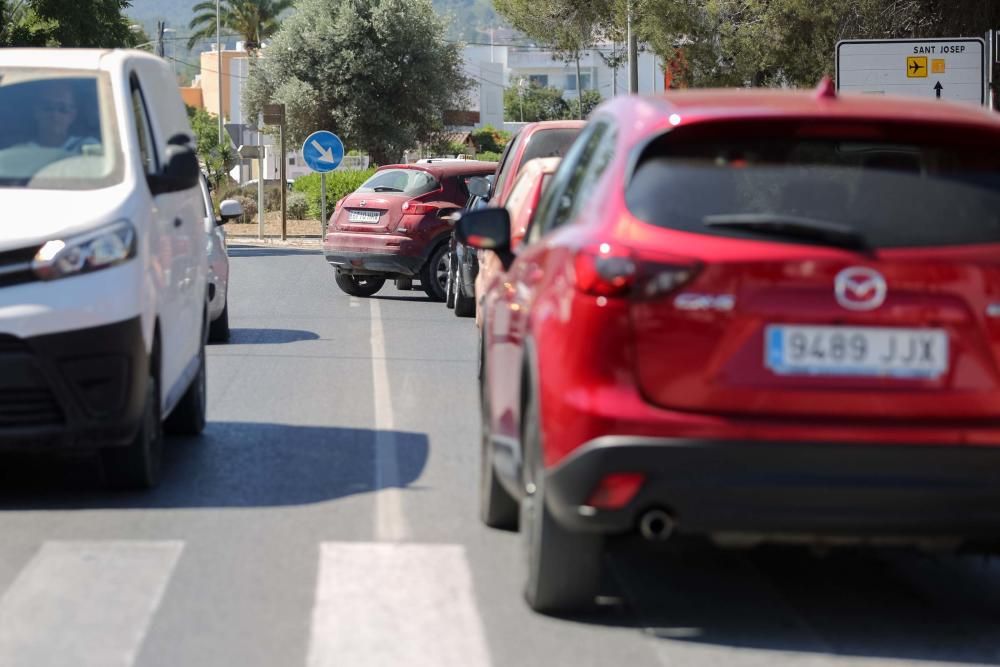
[(497, 509), (434, 277), (449, 299), (465, 306), (359, 285), (563, 567), (137, 465), (218, 331)]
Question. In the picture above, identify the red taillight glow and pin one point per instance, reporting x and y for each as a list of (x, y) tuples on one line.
[(606, 271), (416, 208), (616, 490)]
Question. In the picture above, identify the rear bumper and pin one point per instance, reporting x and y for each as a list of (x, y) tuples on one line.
[(79, 389), (788, 490), (375, 254)]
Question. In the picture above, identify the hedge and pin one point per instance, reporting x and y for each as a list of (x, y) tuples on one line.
[(338, 185)]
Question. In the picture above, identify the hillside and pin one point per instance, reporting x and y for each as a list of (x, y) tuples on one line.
[(467, 16)]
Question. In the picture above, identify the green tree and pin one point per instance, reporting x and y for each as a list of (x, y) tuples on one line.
[(377, 72), (253, 20), (490, 140), (534, 103), (217, 159), (82, 23)]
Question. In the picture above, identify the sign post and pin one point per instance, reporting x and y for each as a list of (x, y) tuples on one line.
[(323, 152), (274, 114), (944, 69)]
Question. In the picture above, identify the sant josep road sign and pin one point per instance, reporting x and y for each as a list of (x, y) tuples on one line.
[(947, 69)]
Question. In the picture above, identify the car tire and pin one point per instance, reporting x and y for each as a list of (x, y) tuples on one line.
[(497, 508), (218, 331), (137, 466), (465, 306), (188, 417), (359, 285), (434, 275), (563, 567), (449, 299)]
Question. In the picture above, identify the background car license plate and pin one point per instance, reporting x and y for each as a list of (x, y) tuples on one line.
[(856, 351), (354, 215)]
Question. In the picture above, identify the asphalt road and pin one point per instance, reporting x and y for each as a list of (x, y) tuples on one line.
[(328, 516)]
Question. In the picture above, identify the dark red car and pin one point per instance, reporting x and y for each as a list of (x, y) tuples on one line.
[(396, 226), (754, 316)]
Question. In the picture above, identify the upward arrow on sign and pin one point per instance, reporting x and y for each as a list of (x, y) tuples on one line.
[(326, 154), (938, 88)]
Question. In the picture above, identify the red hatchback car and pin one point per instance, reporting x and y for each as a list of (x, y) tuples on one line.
[(396, 226), (756, 316)]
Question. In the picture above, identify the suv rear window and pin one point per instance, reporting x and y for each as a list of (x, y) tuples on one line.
[(889, 194), (411, 182)]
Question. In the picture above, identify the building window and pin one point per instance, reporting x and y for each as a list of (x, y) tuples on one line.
[(291, 161), (584, 81), (541, 80)]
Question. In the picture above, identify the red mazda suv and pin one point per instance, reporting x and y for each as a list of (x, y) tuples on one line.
[(396, 226), (753, 316)]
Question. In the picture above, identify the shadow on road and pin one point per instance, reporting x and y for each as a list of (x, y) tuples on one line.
[(230, 465), (866, 603), (236, 250), (269, 336), (392, 297)]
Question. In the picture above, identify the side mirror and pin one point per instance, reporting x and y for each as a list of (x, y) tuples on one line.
[(486, 229), (479, 186), (180, 171), (229, 209)]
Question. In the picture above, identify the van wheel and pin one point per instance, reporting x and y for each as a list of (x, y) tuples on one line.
[(218, 330), (434, 276), (563, 567), (188, 418), (359, 285), (137, 465)]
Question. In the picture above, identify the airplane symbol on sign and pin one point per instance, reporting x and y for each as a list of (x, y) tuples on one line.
[(915, 66)]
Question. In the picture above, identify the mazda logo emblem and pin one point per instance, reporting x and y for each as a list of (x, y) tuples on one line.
[(860, 288), (363, 203)]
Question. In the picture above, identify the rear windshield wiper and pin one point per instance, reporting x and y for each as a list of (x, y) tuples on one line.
[(385, 188), (792, 226)]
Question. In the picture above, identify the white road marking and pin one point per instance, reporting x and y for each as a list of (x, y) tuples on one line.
[(395, 604), (390, 522), (86, 604), (355, 302)]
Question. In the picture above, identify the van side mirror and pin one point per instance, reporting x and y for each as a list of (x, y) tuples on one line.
[(180, 170), (229, 209), (486, 229)]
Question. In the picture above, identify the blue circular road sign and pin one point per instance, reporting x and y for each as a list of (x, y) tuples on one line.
[(323, 151)]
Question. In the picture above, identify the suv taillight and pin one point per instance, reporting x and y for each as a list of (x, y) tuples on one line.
[(608, 271), (414, 207)]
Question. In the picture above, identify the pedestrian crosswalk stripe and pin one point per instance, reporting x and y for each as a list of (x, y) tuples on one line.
[(395, 604), (85, 604)]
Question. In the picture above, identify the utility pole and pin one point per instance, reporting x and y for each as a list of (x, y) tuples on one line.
[(160, 27), (579, 89), (614, 68), (633, 50), (218, 48)]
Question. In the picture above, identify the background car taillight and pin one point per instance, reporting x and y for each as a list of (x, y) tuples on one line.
[(608, 271), (418, 208)]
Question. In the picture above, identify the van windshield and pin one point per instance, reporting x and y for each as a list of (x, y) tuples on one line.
[(57, 130)]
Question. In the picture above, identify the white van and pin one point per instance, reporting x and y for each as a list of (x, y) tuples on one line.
[(103, 293)]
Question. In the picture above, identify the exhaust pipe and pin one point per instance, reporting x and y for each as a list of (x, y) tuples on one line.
[(657, 526)]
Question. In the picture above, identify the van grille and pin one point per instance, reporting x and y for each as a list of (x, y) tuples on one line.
[(15, 266), (29, 407)]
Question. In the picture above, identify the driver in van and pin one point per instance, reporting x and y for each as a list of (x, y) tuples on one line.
[(55, 111)]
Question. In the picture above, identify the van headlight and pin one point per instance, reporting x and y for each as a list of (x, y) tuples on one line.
[(93, 251)]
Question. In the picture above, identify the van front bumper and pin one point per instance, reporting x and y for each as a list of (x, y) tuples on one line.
[(80, 389)]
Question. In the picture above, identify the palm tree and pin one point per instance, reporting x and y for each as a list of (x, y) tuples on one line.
[(253, 20)]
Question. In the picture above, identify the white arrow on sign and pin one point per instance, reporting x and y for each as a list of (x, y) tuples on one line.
[(325, 154)]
